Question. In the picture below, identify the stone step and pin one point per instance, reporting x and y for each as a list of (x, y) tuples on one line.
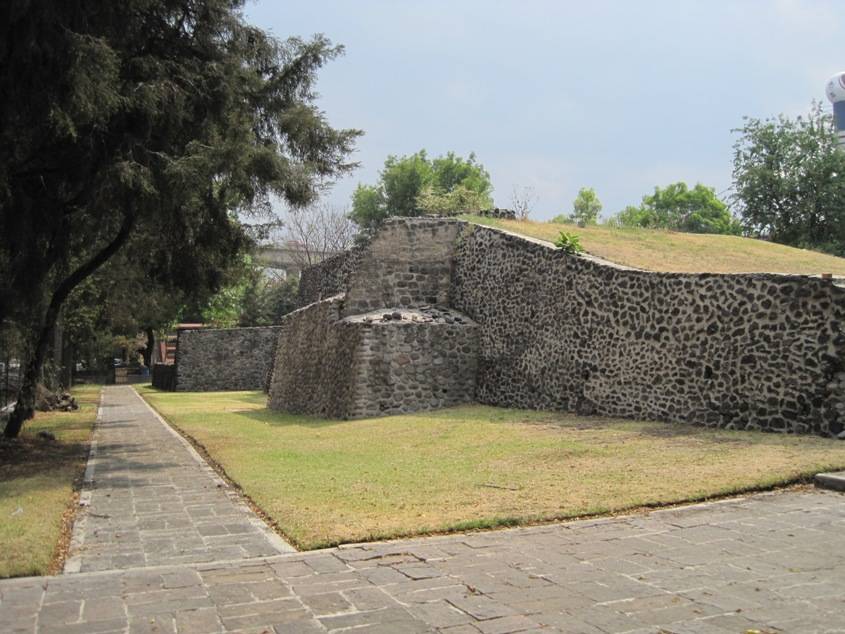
[(833, 481)]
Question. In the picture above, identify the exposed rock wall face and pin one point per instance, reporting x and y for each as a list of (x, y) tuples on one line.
[(563, 332), (385, 362), (407, 263), (224, 359), (327, 278), (316, 362), (412, 360)]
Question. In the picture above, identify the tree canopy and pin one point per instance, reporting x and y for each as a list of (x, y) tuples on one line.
[(415, 185), (585, 208), (154, 120), (789, 180), (677, 207)]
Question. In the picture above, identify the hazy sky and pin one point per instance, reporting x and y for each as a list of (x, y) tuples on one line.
[(619, 96)]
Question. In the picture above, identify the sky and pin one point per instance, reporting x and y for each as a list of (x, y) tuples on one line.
[(558, 95)]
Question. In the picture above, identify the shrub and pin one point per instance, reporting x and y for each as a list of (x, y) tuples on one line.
[(569, 242)]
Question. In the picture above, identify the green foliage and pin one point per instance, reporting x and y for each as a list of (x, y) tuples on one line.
[(562, 219), (586, 207), (250, 298), (145, 121), (570, 243), (679, 208), (415, 185), (789, 180), (282, 298), (461, 199)]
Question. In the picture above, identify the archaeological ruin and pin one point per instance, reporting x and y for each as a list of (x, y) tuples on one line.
[(434, 312)]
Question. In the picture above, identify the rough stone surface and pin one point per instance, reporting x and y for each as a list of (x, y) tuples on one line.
[(329, 277), (210, 359), (578, 334), (410, 360), (407, 263), (767, 563), (495, 212), (315, 362), (384, 362), (565, 332), (148, 499)]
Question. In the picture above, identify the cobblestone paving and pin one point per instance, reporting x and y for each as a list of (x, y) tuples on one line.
[(767, 563), (770, 563), (151, 500)]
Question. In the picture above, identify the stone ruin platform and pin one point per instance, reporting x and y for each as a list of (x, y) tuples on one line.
[(387, 361)]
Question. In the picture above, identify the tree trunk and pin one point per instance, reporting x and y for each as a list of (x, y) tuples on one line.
[(25, 407), (148, 351)]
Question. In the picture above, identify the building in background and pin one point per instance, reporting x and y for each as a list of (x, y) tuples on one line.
[(836, 93)]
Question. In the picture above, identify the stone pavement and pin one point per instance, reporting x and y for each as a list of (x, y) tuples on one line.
[(150, 499), (767, 563)]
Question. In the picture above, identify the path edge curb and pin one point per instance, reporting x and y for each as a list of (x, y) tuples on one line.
[(275, 540)]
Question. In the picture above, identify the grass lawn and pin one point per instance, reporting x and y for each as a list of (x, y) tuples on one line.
[(37, 485), (659, 250), (326, 482)]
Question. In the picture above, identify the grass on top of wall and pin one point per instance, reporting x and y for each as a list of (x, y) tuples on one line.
[(325, 482), (38, 480), (671, 251)]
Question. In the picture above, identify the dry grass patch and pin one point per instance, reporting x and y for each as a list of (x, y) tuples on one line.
[(38, 482), (326, 482), (669, 251)]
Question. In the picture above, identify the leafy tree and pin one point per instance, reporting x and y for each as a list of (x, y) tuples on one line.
[(144, 119), (414, 185), (460, 199), (586, 207), (283, 297), (789, 180), (251, 298), (242, 301), (677, 207)]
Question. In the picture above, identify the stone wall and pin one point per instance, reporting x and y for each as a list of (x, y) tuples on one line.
[(329, 277), (315, 361), (495, 212), (412, 360), (224, 359), (383, 362), (564, 332), (407, 263)]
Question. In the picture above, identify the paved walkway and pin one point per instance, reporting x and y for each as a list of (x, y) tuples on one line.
[(770, 562), (152, 500)]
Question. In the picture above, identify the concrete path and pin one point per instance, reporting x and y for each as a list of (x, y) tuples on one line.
[(767, 563), (151, 500)]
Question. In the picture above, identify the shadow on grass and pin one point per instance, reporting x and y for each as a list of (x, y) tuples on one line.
[(27, 456), (284, 419)]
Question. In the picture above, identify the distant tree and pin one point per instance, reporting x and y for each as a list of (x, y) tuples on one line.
[(242, 299), (144, 118), (586, 207), (522, 201), (251, 298), (677, 207), (317, 232), (283, 297), (460, 199), (414, 185), (789, 180)]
